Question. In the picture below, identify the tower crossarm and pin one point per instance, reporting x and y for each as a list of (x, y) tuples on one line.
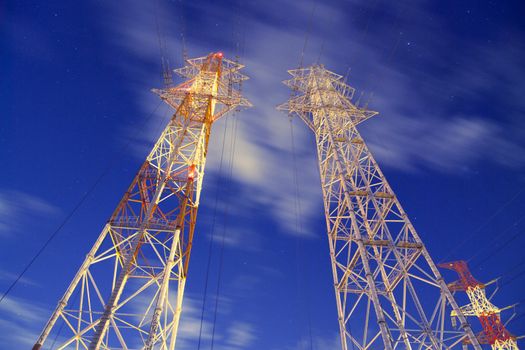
[(130, 287), (387, 287), (494, 331)]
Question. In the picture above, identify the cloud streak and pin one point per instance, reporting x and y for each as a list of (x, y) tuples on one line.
[(18, 318), (412, 133), (16, 206)]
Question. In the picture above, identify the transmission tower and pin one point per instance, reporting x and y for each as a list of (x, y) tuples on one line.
[(389, 293), (128, 292), (494, 331)]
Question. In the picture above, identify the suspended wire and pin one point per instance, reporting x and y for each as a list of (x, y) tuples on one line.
[(391, 55), (367, 24), (235, 32), (114, 160), (228, 191), (510, 272), (327, 34), (75, 298), (518, 316), (494, 241), (77, 206), (212, 235), (92, 187), (499, 248), (57, 335), (297, 222), (391, 49), (514, 278), (483, 225), (294, 91), (321, 51), (307, 34), (166, 74), (298, 213), (238, 50), (318, 170), (182, 32), (297, 200)]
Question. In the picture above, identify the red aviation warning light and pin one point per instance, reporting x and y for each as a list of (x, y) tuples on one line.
[(191, 172), (147, 241)]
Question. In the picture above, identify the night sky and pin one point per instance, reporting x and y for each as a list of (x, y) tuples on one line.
[(447, 78)]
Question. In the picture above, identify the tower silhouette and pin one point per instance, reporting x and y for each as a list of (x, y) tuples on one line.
[(389, 292), (130, 287)]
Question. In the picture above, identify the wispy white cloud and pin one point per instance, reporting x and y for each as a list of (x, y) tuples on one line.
[(22, 309), (19, 321), (412, 133), (17, 206), (262, 162), (9, 277), (231, 335), (190, 327), (443, 144), (326, 342), (418, 127), (189, 330), (240, 335)]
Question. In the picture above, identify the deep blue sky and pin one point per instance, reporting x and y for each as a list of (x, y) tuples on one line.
[(446, 76)]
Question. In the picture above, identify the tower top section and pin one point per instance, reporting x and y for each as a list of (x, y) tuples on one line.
[(316, 90), (211, 77), (466, 279)]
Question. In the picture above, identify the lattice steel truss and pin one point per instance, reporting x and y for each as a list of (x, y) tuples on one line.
[(389, 293), (494, 331), (128, 292)]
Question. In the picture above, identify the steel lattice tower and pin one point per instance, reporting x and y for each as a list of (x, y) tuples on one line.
[(494, 331), (128, 292), (389, 293)]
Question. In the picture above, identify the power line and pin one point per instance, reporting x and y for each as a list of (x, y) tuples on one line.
[(63, 323), (499, 248), (166, 75), (162, 48), (182, 32), (223, 238), (307, 34), (492, 243), (237, 48), (298, 212), (212, 235), (483, 225), (83, 198), (515, 277)]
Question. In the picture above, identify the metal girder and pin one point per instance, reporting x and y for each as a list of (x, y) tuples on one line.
[(494, 331), (130, 287), (386, 284)]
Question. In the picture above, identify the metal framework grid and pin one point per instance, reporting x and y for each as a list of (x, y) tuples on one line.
[(389, 292), (494, 331), (129, 289)]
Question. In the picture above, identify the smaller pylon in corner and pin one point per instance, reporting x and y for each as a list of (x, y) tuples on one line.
[(494, 331)]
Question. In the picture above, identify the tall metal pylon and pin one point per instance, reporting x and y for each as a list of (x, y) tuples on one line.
[(128, 292), (389, 293), (494, 331)]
